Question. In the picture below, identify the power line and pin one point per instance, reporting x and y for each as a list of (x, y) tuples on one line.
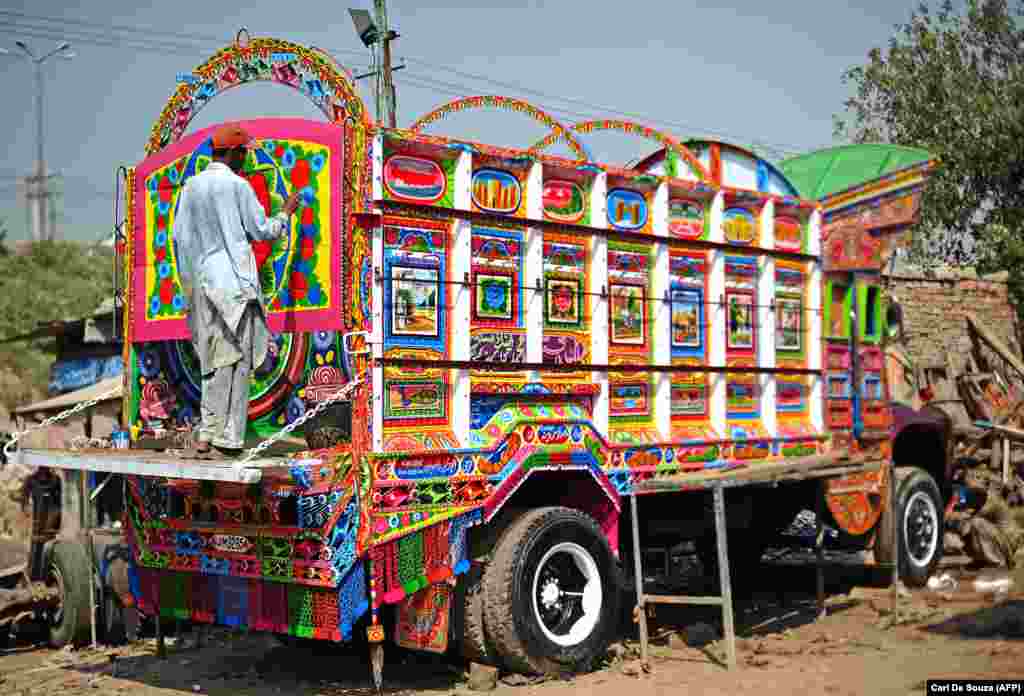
[(457, 90), (148, 39), (116, 36), (593, 107)]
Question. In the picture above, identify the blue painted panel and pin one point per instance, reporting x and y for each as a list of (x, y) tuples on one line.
[(68, 375), (627, 210)]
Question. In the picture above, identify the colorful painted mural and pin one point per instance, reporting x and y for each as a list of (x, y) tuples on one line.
[(298, 272), (512, 317)]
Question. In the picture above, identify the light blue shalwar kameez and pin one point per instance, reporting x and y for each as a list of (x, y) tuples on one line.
[(218, 216)]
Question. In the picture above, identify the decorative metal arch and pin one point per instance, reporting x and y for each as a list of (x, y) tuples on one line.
[(632, 129), (509, 104), (307, 70)]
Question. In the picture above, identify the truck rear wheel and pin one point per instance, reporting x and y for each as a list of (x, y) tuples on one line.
[(919, 522), (551, 592), (476, 644), (68, 570)]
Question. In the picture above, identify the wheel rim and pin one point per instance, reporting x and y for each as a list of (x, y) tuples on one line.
[(567, 594), (921, 528)]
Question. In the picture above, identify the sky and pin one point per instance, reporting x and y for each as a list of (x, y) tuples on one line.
[(761, 74)]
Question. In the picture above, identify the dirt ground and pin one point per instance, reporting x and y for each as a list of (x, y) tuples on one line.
[(860, 647)]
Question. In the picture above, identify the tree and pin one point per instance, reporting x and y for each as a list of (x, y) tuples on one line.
[(55, 281), (3, 238), (950, 81)]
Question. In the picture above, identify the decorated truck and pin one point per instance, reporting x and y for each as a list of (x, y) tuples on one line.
[(488, 351)]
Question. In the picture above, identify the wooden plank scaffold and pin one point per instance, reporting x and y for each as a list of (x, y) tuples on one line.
[(820, 468)]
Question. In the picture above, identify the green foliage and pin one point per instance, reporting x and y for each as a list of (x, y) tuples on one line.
[(950, 81), (55, 281), (3, 238)]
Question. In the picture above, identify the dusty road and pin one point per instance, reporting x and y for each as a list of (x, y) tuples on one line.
[(861, 647)]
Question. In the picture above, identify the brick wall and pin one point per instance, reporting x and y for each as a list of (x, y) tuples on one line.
[(934, 307)]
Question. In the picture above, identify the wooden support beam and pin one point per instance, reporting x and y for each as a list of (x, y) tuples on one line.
[(1015, 434), (723, 575), (641, 609), (682, 599), (819, 550), (996, 344), (1006, 461)]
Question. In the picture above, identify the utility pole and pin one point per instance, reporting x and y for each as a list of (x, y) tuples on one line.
[(38, 195), (387, 84), (377, 35)]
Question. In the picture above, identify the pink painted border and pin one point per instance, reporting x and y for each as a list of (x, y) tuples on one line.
[(326, 134)]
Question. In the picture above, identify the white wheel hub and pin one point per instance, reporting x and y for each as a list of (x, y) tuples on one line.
[(566, 594), (920, 529)]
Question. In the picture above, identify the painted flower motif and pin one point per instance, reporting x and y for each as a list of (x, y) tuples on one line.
[(273, 355), (299, 285), (494, 297), (164, 269), (149, 363), (307, 221), (152, 184), (161, 238), (173, 174), (154, 306), (178, 303), (315, 294), (164, 207), (306, 247), (268, 145), (308, 196), (295, 409), (323, 340), (166, 291), (318, 161), (207, 91), (300, 174), (288, 160)]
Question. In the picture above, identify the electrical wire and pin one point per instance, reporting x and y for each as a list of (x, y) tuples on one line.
[(148, 39)]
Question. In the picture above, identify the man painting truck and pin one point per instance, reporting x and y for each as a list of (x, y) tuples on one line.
[(494, 354)]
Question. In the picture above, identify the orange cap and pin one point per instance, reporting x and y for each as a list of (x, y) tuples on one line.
[(230, 136)]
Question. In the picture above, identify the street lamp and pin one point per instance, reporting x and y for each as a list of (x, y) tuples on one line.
[(373, 31), (42, 188), (365, 26)]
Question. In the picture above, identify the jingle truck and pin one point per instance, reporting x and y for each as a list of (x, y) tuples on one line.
[(498, 358)]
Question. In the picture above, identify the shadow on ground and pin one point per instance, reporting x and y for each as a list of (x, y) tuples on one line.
[(783, 597), (237, 663), (1004, 620)]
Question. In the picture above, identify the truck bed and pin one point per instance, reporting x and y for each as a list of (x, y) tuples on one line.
[(763, 473), (149, 463)]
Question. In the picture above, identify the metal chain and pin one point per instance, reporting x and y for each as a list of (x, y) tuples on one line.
[(339, 395), (8, 447)]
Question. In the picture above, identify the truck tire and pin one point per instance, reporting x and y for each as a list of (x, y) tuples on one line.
[(476, 644), (551, 593), (918, 518), (69, 570)]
